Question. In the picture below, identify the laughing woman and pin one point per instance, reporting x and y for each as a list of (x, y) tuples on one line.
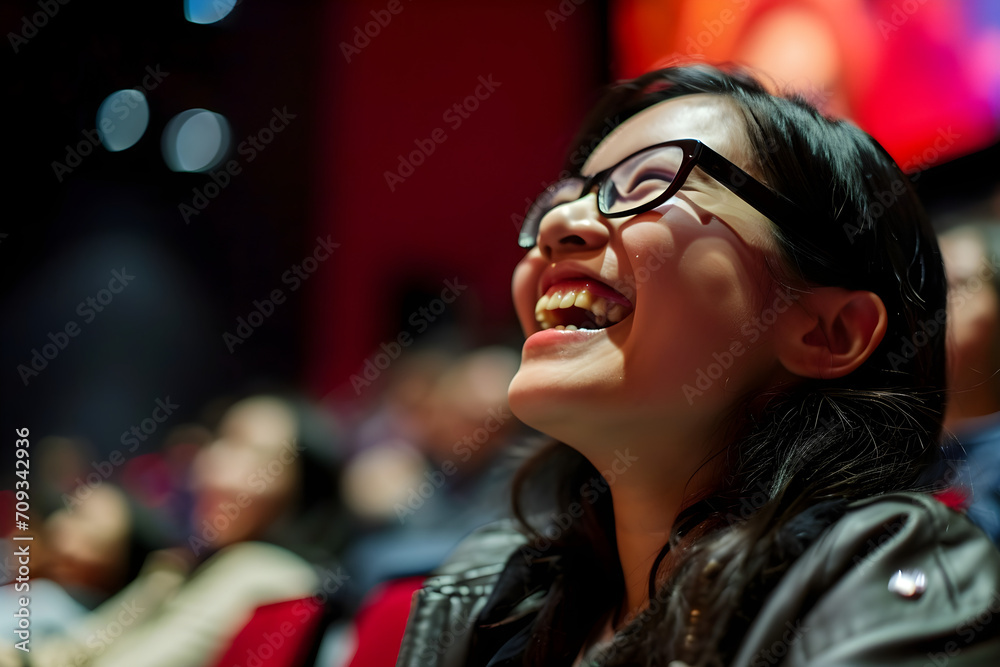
[(732, 341)]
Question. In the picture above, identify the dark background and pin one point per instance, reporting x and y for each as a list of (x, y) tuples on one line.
[(322, 176)]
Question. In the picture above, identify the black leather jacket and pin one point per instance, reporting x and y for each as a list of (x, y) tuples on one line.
[(900, 579)]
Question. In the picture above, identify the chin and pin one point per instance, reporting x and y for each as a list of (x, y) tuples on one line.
[(566, 409), (539, 405)]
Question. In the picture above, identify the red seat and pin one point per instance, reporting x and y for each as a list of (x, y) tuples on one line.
[(381, 621), (281, 634)]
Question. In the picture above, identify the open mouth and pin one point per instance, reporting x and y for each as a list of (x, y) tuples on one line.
[(581, 304)]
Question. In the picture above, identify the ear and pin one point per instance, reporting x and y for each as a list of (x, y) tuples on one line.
[(831, 332)]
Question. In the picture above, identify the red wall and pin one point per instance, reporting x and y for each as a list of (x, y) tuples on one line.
[(451, 217)]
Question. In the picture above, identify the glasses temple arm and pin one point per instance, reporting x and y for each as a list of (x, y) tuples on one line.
[(779, 209)]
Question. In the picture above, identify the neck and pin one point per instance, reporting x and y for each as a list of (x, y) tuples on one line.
[(642, 528), (651, 483)]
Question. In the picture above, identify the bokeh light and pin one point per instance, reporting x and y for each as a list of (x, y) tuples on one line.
[(122, 119), (207, 11), (195, 140)]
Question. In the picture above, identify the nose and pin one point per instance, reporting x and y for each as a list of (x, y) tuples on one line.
[(575, 227)]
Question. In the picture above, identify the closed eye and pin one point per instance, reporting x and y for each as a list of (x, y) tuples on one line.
[(641, 187)]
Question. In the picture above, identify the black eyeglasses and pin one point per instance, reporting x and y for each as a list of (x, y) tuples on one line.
[(651, 176)]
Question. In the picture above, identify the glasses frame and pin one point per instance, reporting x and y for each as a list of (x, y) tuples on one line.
[(777, 208)]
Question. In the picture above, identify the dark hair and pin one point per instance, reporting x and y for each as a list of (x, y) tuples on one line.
[(794, 463)]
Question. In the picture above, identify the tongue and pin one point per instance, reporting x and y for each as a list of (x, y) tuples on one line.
[(595, 287)]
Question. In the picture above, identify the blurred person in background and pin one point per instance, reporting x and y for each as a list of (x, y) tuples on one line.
[(266, 528), (421, 495), (85, 551), (971, 253), (53, 608), (455, 478), (400, 408), (98, 543)]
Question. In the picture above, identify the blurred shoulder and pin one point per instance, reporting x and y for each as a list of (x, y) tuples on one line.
[(259, 561)]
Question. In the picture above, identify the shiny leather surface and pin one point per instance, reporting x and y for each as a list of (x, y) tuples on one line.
[(833, 607)]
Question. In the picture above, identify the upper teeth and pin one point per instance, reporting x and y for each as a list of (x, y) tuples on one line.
[(604, 310)]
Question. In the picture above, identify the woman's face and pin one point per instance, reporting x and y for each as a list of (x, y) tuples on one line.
[(688, 301), (248, 475), (90, 541)]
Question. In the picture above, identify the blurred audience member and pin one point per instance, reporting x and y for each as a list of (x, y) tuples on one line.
[(972, 260), (266, 499), (83, 554), (52, 608), (89, 543), (401, 409), (449, 478)]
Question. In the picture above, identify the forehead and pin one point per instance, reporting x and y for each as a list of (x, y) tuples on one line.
[(713, 119)]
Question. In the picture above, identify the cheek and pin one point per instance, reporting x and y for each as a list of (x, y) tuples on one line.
[(695, 312), (700, 285), (524, 285)]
